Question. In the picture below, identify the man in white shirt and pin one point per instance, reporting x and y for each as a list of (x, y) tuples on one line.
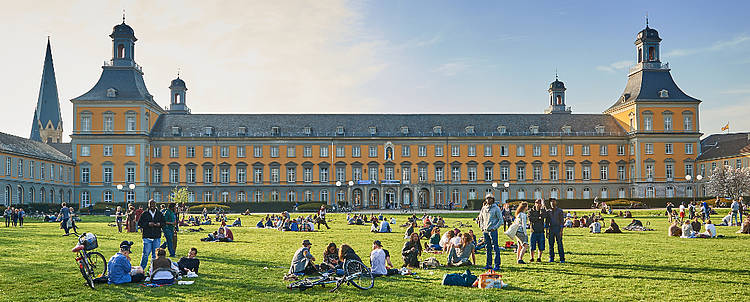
[(378, 260), (710, 229), (596, 227)]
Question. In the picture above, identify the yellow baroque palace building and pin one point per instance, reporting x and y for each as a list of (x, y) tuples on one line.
[(642, 146)]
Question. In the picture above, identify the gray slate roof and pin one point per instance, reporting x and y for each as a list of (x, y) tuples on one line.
[(127, 80), (357, 125), (724, 145), (646, 84), (48, 104), (20, 145)]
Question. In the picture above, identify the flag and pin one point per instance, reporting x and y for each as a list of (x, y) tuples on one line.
[(725, 128)]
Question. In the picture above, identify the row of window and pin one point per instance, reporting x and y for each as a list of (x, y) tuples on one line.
[(356, 151), (30, 169), (19, 195), (648, 121), (108, 121), (107, 150)]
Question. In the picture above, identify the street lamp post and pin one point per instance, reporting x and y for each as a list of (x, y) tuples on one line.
[(692, 183), (506, 185), (336, 194), (349, 193), (123, 189)]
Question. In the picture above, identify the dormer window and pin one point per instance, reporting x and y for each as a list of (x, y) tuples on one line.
[(340, 130), (566, 129), (534, 129), (437, 130), (502, 129), (307, 130), (404, 130), (111, 93), (663, 93), (599, 129), (175, 131), (469, 129), (208, 131), (274, 130), (242, 130), (373, 130)]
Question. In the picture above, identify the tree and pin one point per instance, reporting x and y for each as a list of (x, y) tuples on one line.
[(726, 181), (179, 195)]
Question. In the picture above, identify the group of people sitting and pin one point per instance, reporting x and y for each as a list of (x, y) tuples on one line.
[(223, 234), (334, 258), (284, 222), (162, 271), (585, 221), (692, 229)]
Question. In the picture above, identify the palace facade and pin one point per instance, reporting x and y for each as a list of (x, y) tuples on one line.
[(643, 145)]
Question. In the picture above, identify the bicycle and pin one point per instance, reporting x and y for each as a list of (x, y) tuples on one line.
[(92, 264), (355, 273), (461, 225)]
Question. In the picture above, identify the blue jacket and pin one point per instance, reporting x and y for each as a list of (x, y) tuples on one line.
[(119, 269)]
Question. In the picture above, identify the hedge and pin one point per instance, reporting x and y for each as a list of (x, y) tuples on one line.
[(233, 207)]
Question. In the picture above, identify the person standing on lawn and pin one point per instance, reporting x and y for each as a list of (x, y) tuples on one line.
[(490, 218), (8, 212), (170, 236), (322, 217), (21, 214), (151, 223), (118, 218), (64, 217), (537, 216), (735, 208), (555, 231)]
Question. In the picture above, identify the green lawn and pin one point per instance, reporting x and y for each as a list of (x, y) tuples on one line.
[(36, 264)]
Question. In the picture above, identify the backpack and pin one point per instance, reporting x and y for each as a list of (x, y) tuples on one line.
[(465, 279), (429, 263)]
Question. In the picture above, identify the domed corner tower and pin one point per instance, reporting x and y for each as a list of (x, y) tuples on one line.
[(177, 103), (557, 98)]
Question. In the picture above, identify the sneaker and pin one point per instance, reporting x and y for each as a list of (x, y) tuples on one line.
[(551, 260), (538, 259), (487, 267), (562, 261), (496, 268), (521, 262)]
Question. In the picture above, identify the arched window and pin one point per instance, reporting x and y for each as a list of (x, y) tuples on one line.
[(8, 195), (258, 197), (292, 195), (586, 193), (85, 199), (225, 196), (31, 195), (177, 98), (241, 197), (640, 55), (107, 196), (605, 193), (120, 51), (20, 194), (670, 192), (558, 98), (324, 196), (570, 193), (651, 53), (207, 196), (553, 193)]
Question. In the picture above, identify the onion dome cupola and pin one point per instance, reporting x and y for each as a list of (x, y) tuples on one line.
[(123, 44), (647, 45), (557, 97), (177, 97)]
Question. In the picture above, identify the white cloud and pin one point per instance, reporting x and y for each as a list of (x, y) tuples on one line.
[(736, 91), (453, 68), (615, 66), (717, 46)]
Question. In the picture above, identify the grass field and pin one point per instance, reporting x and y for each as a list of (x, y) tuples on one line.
[(36, 264)]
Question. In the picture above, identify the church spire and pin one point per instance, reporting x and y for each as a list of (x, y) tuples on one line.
[(47, 123)]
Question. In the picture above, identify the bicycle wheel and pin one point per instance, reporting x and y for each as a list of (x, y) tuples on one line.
[(359, 275), (304, 283), (85, 272), (98, 264)]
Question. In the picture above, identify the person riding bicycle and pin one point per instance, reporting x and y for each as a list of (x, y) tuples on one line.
[(119, 267)]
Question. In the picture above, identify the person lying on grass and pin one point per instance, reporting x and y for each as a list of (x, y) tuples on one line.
[(223, 234), (119, 267), (190, 263)]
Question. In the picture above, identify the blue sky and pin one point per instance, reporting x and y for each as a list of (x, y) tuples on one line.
[(382, 56)]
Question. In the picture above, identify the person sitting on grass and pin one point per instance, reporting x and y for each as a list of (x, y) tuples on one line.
[(445, 240), (710, 230), (459, 254), (163, 271), (426, 230), (330, 258), (294, 226), (434, 243), (385, 227), (687, 230), (696, 226), (119, 267), (568, 223), (613, 227), (260, 224), (410, 229), (374, 227), (269, 223), (302, 261), (745, 229), (595, 227), (346, 253), (675, 230), (380, 261), (190, 263), (726, 220), (237, 222), (411, 251)]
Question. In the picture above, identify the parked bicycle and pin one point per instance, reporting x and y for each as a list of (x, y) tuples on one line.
[(355, 273), (92, 264)]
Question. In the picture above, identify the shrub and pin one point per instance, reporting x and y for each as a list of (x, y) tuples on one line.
[(198, 208), (310, 206)]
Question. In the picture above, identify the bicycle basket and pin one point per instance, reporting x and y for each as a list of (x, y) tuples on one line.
[(88, 241)]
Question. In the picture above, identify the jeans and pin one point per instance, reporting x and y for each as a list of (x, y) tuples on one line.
[(490, 239), (735, 217), (169, 242), (555, 233), (149, 247)]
